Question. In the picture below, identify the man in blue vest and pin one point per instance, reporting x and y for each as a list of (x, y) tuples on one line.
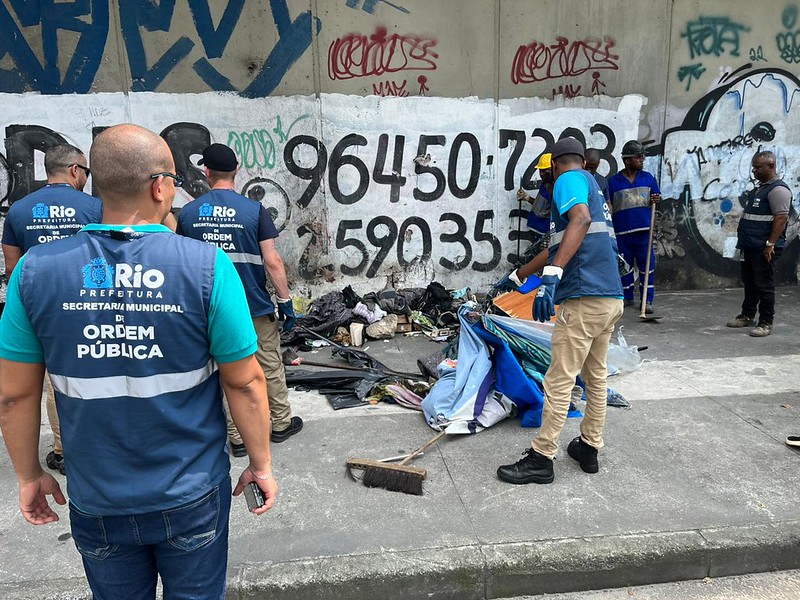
[(632, 191), (539, 214), (243, 228), (582, 277), (141, 330), (761, 239), (538, 222), (55, 211)]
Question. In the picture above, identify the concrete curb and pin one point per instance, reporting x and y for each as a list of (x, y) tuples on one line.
[(478, 572)]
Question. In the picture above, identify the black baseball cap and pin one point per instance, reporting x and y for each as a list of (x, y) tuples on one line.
[(218, 157), (567, 145)]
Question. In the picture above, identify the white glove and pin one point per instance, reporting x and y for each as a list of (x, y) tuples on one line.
[(515, 278)]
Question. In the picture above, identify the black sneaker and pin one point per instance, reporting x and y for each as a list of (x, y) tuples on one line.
[(648, 308), (55, 462), (531, 468), (295, 425), (238, 450), (585, 454), (628, 304)]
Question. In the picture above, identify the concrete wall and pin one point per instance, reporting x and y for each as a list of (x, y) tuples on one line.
[(389, 136)]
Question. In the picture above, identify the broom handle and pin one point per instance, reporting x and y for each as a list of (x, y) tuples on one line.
[(424, 447), (647, 261)]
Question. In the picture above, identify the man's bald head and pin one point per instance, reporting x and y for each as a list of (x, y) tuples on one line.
[(123, 159), (592, 156)]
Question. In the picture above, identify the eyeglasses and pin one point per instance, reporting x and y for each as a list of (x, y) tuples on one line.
[(86, 170), (177, 178)]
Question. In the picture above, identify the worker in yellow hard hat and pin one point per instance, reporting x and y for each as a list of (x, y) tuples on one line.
[(539, 213)]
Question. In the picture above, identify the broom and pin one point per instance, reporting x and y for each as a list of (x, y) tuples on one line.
[(395, 478)]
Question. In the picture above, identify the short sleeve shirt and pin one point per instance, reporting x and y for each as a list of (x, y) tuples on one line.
[(230, 329), (571, 189)]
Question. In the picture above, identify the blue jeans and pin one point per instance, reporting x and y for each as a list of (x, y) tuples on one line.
[(188, 546)]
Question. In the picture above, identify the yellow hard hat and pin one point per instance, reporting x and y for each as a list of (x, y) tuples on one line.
[(544, 161)]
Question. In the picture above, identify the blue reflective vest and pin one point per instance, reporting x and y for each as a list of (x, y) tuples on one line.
[(231, 221), (755, 225), (592, 271), (50, 213), (123, 321), (631, 201), (539, 214), (602, 182)]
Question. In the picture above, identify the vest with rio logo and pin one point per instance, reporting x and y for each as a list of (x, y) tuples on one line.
[(123, 321)]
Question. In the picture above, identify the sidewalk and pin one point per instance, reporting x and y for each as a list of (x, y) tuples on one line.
[(695, 481)]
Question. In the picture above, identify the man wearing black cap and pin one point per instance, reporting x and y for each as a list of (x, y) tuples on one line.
[(582, 277), (245, 231)]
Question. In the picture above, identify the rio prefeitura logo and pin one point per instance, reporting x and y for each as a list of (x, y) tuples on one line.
[(98, 274)]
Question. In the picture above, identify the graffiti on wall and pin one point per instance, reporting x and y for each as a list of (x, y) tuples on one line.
[(538, 61), (352, 202), (384, 56), (369, 6), (712, 37), (141, 22), (788, 40), (706, 164)]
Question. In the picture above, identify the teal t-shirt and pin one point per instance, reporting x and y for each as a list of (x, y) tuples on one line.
[(231, 333), (570, 189)]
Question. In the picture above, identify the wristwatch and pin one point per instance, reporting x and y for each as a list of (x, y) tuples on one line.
[(770, 244)]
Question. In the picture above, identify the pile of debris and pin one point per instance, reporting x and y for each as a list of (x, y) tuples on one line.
[(345, 321), (350, 320)]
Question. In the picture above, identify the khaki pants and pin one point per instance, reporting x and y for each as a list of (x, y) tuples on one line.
[(268, 356), (52, 414), (580, 345)]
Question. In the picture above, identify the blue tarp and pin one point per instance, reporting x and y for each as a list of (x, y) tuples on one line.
[(490, 375)]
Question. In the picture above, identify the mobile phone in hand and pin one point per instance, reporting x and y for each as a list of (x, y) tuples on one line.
[(254, 496)]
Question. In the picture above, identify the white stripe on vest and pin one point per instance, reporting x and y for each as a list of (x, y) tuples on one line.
[(243, 257), (595, 227), (98, 388)]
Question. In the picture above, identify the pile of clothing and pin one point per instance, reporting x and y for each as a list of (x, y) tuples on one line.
[(376, 314), (491, 369)]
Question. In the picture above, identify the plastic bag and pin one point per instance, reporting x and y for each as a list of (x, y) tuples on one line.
[(621, 357)]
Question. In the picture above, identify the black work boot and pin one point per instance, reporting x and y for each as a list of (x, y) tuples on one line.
[(531, 468), (55, 461), (295, 425), (585, 454)]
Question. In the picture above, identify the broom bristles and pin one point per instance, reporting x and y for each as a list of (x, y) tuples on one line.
[(394, 480)]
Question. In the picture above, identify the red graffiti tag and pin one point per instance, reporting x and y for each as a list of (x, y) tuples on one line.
[(390, 88), (357, 55), (538, 61), (569, 90)]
